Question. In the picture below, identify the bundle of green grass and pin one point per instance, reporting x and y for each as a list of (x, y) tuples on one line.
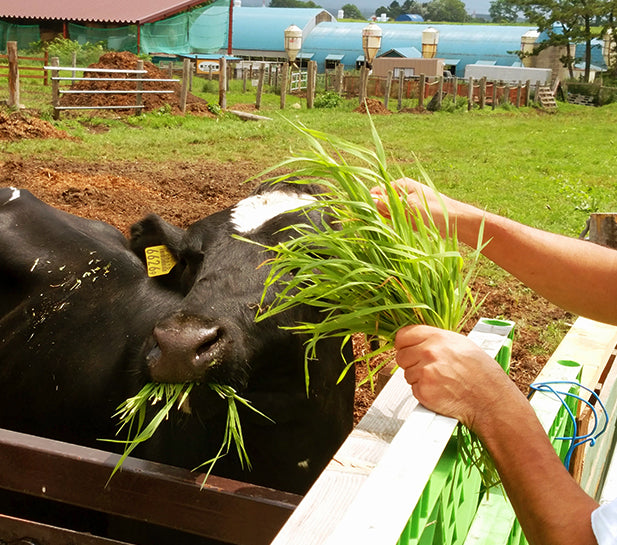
[(368, 273)]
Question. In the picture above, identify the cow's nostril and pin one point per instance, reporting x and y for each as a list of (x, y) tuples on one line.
[(208, 339)]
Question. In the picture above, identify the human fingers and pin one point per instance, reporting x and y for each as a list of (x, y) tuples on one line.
[(380, 198)]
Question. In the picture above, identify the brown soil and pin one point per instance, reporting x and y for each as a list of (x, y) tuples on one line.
[(121, 193), (373, 107), (18, 125)]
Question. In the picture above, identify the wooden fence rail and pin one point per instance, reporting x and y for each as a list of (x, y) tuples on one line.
[(222, 509), (25, 71)]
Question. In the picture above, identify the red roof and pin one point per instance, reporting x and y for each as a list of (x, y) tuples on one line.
[(109, 11)]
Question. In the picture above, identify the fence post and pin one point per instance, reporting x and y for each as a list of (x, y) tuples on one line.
[(470, 94), (11, 48), (223, 83), (363, 84), (45, 63), (55, 91), (439, 91), (421, 90), (339, 74), (184, 90), (260, 85), (494, 105), (140, 86), (482, 92), (284, 83), (310, 83), (518, 94), (388, 88)]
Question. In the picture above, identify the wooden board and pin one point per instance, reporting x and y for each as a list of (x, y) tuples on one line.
[(222, 509), (589, 343), (371, 486)]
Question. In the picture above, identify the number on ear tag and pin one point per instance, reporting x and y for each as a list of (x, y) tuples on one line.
[(159, 260)]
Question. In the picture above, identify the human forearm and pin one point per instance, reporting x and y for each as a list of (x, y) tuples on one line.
[(550, 506), (571, 273), (574, 274)]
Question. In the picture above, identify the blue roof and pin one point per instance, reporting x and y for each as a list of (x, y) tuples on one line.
[(262, 29), (469, 43), (410, 17)]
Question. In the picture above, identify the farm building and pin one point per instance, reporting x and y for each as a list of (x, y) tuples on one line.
[(171, 26), (259, 32), (186, 27)]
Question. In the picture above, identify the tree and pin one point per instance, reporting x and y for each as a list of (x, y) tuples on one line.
[(446, 10), (610, 26), (565, 22), (351, 11), (502, 11)]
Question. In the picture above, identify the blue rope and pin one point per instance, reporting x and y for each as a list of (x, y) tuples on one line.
[(575, 440)]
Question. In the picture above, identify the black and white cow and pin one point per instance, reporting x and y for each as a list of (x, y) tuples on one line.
[(82, 327)]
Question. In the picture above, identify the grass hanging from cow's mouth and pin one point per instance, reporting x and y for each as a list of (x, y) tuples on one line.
[(366, 273), (132, 416)]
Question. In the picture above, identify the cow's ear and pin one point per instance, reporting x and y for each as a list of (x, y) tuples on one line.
[(154, 231)]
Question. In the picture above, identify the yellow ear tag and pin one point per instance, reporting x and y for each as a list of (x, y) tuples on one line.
[(159, 260)]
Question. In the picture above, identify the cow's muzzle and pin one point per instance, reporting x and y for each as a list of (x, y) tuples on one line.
[(186, 348)]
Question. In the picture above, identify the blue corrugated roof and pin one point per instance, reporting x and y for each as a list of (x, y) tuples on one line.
[(262, 29), (469, 43)]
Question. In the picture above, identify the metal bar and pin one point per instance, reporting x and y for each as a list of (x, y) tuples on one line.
[(106, 70), (96, 107), (111, 92), (67, 78), (223, 509)]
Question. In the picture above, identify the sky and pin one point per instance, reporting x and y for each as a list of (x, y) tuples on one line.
[(369, 6)]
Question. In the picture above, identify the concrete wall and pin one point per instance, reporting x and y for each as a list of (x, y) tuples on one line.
[(411, 67), (511, 74)]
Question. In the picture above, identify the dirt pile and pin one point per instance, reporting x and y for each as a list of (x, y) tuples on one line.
[(373, 106), (17, 126), (151, 101)]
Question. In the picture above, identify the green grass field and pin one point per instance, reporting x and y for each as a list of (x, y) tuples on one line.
[(545, 170)]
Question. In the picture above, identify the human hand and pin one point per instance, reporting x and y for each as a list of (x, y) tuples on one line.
[(451, 375), (419, 197)]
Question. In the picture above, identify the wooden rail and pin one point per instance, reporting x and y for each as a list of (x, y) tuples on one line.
[(27, 69), (222, 509)]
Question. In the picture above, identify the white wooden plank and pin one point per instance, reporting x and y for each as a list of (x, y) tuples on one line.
[(383, 505), (589, 343), (369, 489)]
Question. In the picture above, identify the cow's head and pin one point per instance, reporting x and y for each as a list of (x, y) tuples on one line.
[(212, 336)]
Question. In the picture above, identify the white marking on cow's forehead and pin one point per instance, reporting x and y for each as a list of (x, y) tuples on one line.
[(14, 195), (252, 212)]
